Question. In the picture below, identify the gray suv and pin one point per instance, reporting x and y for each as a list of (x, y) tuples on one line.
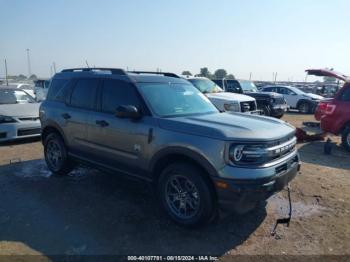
[(159, 128)]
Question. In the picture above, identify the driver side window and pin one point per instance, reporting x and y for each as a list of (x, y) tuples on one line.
[(286, 91)]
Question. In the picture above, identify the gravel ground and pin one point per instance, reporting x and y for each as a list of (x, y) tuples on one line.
[(93, 213)]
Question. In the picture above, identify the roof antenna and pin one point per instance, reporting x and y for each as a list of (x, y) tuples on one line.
[(87, 63)]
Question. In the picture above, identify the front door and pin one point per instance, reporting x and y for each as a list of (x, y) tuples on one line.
[(119, 142), (290, 96)]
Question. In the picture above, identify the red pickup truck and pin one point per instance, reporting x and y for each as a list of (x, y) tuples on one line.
[(334, 113)]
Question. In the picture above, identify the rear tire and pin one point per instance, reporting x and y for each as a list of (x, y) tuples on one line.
[(346, 138), (186, 195), (56, 155)]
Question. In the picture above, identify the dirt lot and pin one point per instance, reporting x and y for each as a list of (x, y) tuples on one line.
[(91, 212)]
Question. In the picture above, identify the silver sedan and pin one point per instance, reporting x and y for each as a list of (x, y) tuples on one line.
[(19, 114)]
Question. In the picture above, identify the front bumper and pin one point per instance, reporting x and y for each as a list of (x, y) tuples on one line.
[(18, 130), (277, 110), (252, 186)]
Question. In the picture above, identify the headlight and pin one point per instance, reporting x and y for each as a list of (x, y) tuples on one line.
[(248, 154), (6, 119), (257, 154), (234, 107)]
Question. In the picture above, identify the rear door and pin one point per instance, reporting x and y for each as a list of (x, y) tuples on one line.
[(119, 142), (81, 103)]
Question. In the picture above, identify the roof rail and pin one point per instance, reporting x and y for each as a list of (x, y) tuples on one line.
[(155, 73), (114, 71)]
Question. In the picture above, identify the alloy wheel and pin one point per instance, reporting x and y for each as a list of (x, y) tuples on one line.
[(54, 154), (182, 197)]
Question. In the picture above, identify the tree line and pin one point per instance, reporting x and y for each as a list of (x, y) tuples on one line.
[(204, 72)]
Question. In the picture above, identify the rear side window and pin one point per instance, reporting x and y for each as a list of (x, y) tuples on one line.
[(346, 95), (116, 93), (84, 93), (58, 90)]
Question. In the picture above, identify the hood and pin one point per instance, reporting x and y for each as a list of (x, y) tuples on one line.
[(314, 96), (16, 110), (264, 94), (229, 126), (227, 96), (329, 73)]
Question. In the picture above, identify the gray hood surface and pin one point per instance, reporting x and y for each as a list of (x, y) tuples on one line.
[(229, 126)]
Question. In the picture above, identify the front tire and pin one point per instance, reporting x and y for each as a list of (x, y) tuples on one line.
[(304, 108), (346, 138), (56, 155), (186, 195)]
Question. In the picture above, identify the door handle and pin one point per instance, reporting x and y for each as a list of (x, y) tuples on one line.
[(101, 123), (66, 116)]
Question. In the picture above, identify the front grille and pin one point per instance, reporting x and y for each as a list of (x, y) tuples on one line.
[(28, 118), (279, 100), (28, 132), (285, 146), (248, 106)]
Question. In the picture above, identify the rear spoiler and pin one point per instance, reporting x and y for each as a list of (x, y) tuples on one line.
[(329, 73)]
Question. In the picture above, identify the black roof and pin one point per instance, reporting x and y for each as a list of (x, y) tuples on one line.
[(117, 73)]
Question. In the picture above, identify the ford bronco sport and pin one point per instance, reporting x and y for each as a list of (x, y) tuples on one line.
[(161, 129)]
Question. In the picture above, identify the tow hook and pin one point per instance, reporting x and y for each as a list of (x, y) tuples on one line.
[(285, 220)]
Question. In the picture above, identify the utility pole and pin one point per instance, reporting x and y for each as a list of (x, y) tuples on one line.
[(7, 81), (275, 77), (250, 76), (29, 67), (50, 70)]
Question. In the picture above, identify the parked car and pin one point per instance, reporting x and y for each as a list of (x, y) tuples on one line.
[(19, 114), (159, 128), (40, 89), (224, 101), (306, 103), (270, 104), (334, 114), (28, 88)]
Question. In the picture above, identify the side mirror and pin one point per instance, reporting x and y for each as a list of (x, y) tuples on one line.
[(128, 111)]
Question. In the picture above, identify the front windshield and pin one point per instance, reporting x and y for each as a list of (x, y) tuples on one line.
[(206, 85), (248, 86), (169, 99), (12, 96)]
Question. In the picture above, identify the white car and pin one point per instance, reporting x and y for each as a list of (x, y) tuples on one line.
[(26, 87), (19, 114), (296, 99), (40, 89), (224, 101)]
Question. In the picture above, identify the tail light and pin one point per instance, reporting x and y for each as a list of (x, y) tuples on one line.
[(322, 106), (330, 109)]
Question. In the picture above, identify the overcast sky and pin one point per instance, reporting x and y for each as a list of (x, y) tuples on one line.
[(242, 36)]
